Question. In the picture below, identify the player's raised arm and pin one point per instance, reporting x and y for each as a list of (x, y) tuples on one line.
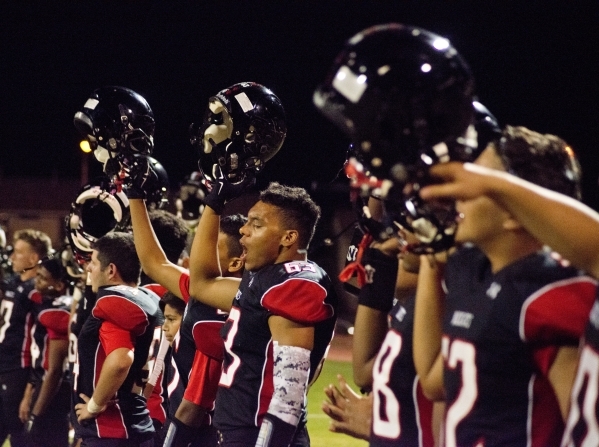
[(428, 328), (563, 223), (207, 284), (154, 261)]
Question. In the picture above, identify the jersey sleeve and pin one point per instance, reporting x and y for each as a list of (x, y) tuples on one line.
[(156, 288), (203, 380), (207, 338), (114, 337), (558, 312), (122, 313), (36, 296), (299, 300), (56, 322), (184, 286)]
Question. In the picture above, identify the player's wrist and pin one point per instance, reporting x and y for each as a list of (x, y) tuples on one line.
[(94, 408)]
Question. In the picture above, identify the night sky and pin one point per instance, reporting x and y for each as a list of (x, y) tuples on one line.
[(536, 64)]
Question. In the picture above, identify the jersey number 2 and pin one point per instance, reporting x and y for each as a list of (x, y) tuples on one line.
[(464, 353)]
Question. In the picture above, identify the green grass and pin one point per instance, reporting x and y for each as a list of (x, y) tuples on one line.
[(318, 421)]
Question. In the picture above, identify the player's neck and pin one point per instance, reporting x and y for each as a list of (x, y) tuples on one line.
[(292, 253), (511, 247)]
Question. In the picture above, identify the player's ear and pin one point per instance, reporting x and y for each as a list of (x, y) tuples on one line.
[(235, 265), (289, 238), (60, 286), (112, 270)]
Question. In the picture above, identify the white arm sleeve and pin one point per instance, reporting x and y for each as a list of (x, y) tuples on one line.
[(159, 363), (290, 379)]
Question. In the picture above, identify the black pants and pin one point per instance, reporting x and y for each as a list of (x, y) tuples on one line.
[(245, 437), (12, 388), (51, 429), (113, 442)]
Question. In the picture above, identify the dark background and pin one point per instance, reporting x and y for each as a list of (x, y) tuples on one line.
[(536, 64)]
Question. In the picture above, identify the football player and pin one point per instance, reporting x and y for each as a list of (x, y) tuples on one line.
[(48, 423), (113, 347), (495, 346), (198, 351), (566, 225), (30, 247)]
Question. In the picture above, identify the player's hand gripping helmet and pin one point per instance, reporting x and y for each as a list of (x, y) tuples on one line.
[(396, 91), (146, 174), (97, 210), (116, 120), (434, 223), (244, 126)]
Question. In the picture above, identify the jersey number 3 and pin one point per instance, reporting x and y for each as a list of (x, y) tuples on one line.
[(228, 374)]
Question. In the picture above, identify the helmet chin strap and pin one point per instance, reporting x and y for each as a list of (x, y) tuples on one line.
[(44, 259)]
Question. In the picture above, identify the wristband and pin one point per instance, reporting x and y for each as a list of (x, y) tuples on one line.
[(274, 432), (29, 423), (381, 273), (93, 407)]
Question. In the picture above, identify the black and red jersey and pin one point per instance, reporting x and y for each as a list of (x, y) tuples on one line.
[(199, 349), (502, 332), (582, 426), (401, 415), (16, 322), (51, 323), (122, 317), (300, 291), (158, 399)]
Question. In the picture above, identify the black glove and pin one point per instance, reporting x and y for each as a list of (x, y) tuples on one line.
[(224, 191), (275, 432), (179, 434), (140, 177)]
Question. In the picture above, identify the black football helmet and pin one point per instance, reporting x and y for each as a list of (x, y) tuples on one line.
[(244, 126), (98, 209), (190, 198), (397, 90), (156, 186), (116, 120)]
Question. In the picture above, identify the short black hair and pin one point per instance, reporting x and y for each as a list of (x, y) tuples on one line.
[(118, 248), (299, 211), (171, 231), (174, 301), (543, 159), (55, 268), (230, 225)]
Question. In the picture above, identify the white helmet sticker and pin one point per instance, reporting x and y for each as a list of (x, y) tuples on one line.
[(244, 102), (91, 103), (350, 85)]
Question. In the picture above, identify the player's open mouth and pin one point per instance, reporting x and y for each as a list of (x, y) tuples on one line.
[(244, 252)]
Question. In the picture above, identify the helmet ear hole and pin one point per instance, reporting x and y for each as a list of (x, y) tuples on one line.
[(119, 118), (256, 128)]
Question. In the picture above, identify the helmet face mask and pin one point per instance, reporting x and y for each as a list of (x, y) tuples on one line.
[(116, 120), (396, 90), (243, 127)]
